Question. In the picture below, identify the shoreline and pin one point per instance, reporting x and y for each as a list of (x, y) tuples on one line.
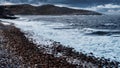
[(61, 56)]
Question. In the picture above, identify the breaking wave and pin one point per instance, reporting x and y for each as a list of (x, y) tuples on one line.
[(101, 32)]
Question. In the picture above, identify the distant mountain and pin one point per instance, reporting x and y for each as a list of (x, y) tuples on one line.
[(71, 2), (27, 9), (95, 5)]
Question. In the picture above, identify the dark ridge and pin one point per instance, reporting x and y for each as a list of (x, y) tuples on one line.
[(26, 9), (6, 13)]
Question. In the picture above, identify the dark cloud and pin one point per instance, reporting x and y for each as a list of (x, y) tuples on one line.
[(89, 2)]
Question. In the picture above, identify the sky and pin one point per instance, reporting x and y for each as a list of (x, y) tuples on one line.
[(105, 6)]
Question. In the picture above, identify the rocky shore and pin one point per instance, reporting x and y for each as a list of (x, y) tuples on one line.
[(16, 51)]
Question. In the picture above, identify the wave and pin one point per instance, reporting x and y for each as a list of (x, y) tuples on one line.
[(100, 46), (101, 32)]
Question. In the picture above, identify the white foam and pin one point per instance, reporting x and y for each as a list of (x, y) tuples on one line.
[(6, 23), (100, 46), (90, 30)]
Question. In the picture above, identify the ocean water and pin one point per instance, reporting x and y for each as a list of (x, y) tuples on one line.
[(99, 34)]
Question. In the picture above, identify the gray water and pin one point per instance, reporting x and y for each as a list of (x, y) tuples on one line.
[(99, 34), (104, 24)]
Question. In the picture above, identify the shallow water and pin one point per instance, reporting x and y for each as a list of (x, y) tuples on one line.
[(86, 33)]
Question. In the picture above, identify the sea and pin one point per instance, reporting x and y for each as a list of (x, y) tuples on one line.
[(97, 34)]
